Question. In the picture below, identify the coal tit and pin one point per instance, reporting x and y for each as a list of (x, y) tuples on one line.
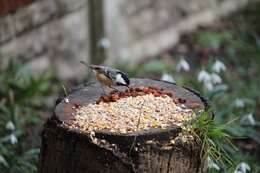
[(109, 76)]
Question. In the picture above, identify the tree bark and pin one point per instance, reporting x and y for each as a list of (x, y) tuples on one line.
[(66, 150), (96, 31)]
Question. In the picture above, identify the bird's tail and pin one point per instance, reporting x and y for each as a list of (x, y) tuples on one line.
[(87, 65)]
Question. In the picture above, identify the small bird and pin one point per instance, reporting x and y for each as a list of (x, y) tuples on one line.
[(109, 76)]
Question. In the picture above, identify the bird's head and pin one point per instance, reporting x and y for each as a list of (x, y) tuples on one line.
[(122, 79)]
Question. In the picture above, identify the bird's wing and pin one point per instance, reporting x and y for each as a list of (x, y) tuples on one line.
[(107, 71), (110, 72)]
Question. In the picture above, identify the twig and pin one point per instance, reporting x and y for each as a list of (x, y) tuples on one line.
[(137, 129)]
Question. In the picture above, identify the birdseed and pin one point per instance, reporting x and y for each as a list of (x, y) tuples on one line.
[(132, 113)]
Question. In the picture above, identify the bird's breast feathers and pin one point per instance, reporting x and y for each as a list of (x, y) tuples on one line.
[(104, 79)]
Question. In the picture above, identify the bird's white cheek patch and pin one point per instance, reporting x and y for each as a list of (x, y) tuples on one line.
[(119, 79)]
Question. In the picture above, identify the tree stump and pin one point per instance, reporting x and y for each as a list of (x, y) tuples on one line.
[(65, 150)]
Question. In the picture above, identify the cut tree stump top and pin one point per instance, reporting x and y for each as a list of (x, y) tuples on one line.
[(85, 95)]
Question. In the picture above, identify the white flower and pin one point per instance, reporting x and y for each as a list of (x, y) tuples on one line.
[(208, 79), (13, 139), (212, 164), (3, 161), (167, 77), (239, 103), (242, 168), (183, 65), (215, 78), (104, 43), (204, 76), (248, 120), (208, 85), (218, 66), (10, 126)]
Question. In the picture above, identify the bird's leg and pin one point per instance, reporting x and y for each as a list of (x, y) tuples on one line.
[(128, 88)]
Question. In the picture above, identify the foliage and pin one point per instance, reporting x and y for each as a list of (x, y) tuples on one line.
[(22, 97), (222, 64), (213, 138), (224, 67)]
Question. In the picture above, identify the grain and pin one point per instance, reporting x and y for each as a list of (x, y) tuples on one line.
[(136, 110)]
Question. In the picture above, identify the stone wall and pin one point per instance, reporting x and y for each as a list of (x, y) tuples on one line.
[(46, 33), (148, 27), (54, 33)]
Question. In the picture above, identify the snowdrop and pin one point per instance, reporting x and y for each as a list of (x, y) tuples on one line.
[(13, 139), (183, 65), (212, 164), (208, 85), (239, 103), (209, 79), (215, 78), (10, 126), (204, 76), (218, 66), (242, 168), (104, 43), (248, 120), (167, 77)]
